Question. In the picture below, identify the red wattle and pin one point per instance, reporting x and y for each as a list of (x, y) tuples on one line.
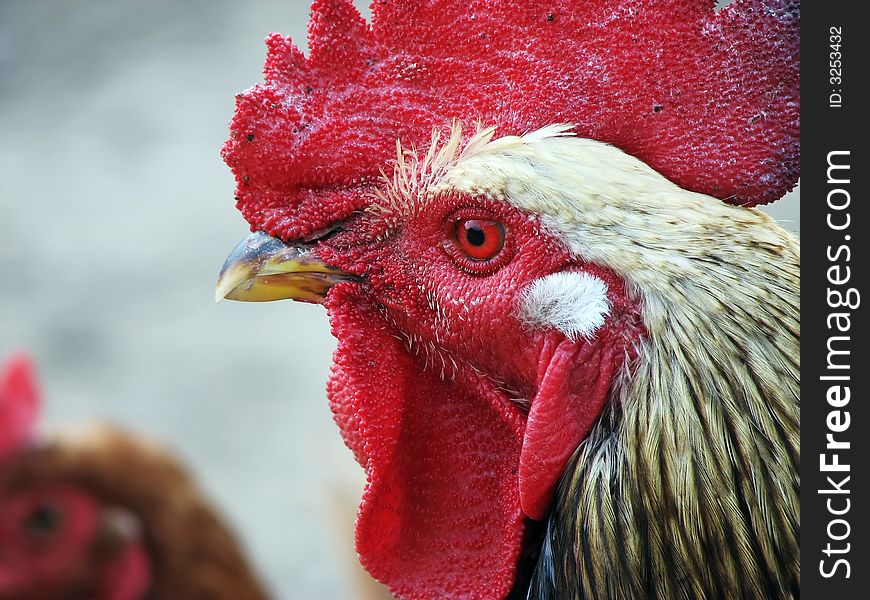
[(570, 397), (129, 576), (440, 516)]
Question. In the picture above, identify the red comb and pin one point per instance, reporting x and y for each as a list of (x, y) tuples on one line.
[(709, 99), (19, 403)]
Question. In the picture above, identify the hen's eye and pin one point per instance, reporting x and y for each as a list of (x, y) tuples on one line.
[(480, 239), (42, 521)]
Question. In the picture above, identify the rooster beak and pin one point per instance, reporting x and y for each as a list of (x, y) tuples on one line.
[(263, 268)]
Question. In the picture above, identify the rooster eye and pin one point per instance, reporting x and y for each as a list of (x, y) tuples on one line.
[(42, 521), (479, 239)]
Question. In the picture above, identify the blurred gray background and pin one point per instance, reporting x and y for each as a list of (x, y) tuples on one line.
[(116, 213)]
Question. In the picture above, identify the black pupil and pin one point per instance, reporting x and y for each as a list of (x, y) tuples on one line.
[(475, 235), (43, 520)]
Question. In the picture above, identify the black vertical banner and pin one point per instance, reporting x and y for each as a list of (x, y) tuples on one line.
[(835, 424)]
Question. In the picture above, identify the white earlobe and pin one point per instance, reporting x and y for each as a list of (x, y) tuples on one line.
[(573, 302)]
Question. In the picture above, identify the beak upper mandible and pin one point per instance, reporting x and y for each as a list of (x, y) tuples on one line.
[(263, 268)]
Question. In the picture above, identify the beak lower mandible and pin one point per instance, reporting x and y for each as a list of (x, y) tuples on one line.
[(263, 268)]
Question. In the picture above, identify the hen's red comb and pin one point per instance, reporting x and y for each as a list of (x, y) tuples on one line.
[(19, 404), (709, 99)]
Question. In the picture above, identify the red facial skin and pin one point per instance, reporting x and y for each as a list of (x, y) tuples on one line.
[(431, 360), (47, 540)]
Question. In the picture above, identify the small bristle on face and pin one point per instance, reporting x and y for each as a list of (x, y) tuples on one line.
[(707, 98)]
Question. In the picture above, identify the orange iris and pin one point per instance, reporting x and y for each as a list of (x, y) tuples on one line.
[(480, 239)]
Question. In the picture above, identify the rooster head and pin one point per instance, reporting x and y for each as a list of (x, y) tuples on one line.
[(495, 202)]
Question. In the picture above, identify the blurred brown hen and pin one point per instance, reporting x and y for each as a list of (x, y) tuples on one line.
[(102, 513)]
